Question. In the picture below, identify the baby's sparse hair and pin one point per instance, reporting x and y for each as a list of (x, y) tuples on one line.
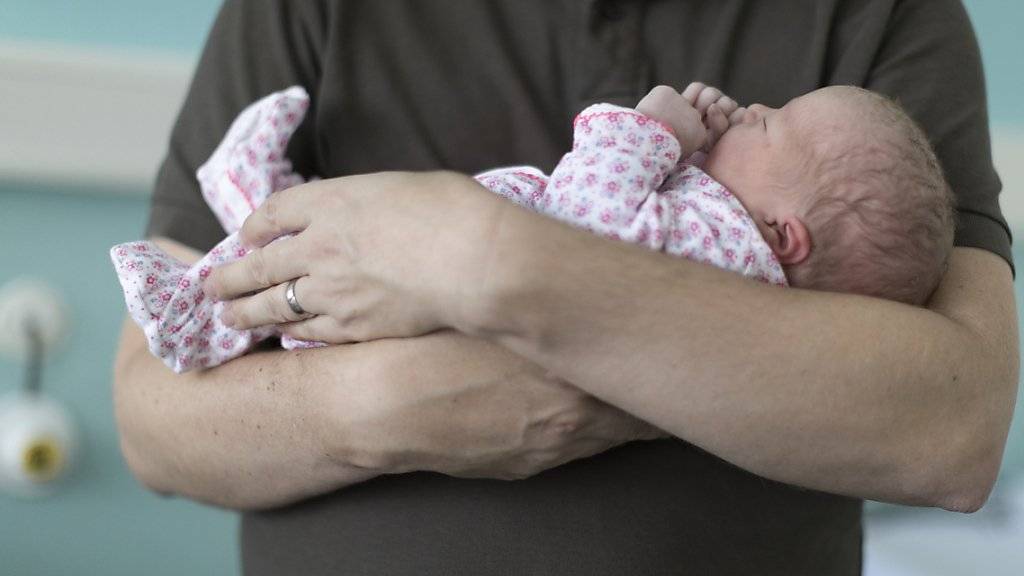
[(880, 216)]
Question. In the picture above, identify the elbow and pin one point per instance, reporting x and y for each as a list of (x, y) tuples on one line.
[(131, 430), (965, 474), (142, 469), (968, 490), (971, 445), (151, 475), (140, 462)]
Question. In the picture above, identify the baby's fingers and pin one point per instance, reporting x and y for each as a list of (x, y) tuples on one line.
[(738, 116), (706, 98), (701, 96), (692, 91), (727, 105), (717, 124)]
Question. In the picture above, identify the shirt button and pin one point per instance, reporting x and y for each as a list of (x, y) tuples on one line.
[(611, 9)]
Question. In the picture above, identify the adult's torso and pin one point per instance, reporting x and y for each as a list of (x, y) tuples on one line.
[(470, 85)]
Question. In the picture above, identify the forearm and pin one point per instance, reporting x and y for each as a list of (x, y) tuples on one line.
[(274, 426), (834, 392), (256, 432), (252, 433)]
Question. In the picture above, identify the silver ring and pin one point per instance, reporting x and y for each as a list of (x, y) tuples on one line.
[(293, 302)]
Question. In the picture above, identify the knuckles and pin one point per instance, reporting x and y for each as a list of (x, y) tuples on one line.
[(663, 92), (256, 266)]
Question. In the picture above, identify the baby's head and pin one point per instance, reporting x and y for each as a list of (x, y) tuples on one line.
[(845, 189)]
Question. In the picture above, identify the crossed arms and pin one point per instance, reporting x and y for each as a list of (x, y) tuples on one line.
[(839, 393), (275, 426)]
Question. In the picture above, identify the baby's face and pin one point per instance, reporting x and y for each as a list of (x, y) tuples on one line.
[(761, 160)]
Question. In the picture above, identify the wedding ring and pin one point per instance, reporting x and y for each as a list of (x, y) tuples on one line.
[(293, 302)]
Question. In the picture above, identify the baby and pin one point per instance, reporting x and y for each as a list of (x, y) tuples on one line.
[(838, 190)]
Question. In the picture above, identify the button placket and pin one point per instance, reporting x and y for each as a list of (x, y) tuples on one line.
[(609, 64), (610, 9)]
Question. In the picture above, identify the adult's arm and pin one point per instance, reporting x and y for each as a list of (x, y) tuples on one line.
[(274, 426), (835, 392), (840, 393)]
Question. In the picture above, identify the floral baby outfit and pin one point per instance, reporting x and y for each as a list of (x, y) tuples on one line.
[(623, 180)]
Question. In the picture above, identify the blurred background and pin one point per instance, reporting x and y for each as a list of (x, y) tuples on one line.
[(88, 92)]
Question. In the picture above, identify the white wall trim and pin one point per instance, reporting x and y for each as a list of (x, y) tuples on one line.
[(101, 119), (97, 118)]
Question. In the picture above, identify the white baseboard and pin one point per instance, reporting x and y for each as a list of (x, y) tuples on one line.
[(102, 119), (71, 115)]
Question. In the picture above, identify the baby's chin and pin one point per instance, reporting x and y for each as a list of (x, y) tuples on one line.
[(732, 176)]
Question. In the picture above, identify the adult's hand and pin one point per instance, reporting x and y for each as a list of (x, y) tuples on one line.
[(453, 404), (275, 426), (378, 255)]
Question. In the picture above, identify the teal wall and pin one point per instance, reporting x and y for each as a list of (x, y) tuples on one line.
[(103, 522), (167, 25)]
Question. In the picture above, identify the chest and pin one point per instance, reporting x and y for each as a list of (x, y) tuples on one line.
[(409, 85)]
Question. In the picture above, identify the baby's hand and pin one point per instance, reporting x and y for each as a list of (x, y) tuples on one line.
[(669, 107), (718, 111)]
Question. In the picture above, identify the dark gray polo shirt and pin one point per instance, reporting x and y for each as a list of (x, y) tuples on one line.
[(469, 85)]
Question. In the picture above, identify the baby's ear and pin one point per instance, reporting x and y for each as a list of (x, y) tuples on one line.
[(792, 241)]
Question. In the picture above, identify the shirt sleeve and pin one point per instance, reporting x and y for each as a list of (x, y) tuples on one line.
[(929, 62), (254, 48)]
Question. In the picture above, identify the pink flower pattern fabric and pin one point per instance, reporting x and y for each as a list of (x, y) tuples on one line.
[(164, 296), (623, 180)]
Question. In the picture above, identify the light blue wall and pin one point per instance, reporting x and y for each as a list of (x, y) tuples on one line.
[(998, 23), (104, 523), (165, 25)]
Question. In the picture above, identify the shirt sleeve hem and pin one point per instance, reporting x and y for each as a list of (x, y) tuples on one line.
[(182, 224), (979, 231)]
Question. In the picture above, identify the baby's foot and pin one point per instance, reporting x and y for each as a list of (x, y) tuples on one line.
[(250, 163), (165, 299)]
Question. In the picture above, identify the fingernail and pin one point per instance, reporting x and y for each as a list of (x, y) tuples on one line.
[(227, 318)]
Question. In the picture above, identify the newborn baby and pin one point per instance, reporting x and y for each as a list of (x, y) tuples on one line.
[(838, 190)]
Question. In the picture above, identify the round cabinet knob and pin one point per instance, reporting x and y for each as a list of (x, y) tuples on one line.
[(37, 444)]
